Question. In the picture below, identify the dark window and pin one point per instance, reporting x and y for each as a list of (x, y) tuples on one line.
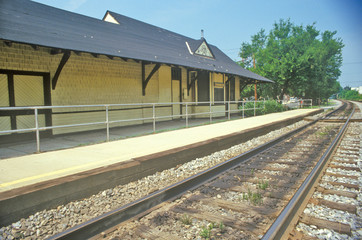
[(218, 94), (232, 89), (176, 73), (203, 87)]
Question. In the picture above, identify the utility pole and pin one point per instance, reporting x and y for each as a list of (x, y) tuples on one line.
[(255, 95)]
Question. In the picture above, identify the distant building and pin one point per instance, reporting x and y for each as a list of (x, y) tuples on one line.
[(53, 57), (358, 89)]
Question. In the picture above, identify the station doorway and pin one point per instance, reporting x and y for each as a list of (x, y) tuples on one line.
[(22, 89)]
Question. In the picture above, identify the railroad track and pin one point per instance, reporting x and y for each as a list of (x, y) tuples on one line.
[(242, 202), (332, 209)]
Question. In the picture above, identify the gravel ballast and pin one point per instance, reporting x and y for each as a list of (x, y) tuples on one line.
[(46, 223)]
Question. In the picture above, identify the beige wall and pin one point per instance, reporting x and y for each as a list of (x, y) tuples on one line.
[(86, 79)]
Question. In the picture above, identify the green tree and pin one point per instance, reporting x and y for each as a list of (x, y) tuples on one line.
[(349, 94), (302, 61)]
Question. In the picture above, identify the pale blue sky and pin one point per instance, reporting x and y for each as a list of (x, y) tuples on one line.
[(228, 23)]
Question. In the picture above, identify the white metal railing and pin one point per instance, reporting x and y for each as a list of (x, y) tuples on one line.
[(300, 103), (106, 108), (306, 103)]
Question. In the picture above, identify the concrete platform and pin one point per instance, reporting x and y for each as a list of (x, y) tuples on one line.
[(34, 182)]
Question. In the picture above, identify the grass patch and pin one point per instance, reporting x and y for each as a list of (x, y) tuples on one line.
[(263, 184), (186, 219), (205, 233), (254, 198)]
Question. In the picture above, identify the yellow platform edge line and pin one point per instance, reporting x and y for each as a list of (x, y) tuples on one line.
[(54, 173)]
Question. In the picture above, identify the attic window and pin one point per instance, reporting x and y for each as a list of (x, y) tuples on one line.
[(110, 18), (203, 50)]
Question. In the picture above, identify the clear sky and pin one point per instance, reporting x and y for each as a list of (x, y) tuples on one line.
[(228, 23)]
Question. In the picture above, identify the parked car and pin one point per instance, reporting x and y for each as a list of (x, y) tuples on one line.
[(293, 100)]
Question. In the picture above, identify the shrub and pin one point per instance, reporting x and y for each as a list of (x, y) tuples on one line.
[(270, 106)]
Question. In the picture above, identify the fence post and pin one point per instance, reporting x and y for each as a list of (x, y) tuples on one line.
[(210, 113), (264, 106), (254, 108), (37, 130), (187, 118), (107, 122), (243, 108), (229, 110), (154, 118)]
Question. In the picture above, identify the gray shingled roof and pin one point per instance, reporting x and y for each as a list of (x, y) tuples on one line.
[(33, 23)]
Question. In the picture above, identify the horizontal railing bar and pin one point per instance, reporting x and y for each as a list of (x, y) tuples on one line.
[(128, 104), (67, 126), (115, 105), (223, 106), (18, 130)]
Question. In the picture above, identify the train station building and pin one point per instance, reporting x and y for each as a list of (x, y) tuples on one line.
[(52, 57)]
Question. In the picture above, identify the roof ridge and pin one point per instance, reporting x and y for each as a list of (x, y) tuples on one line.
[(42, 25), (145, 23)]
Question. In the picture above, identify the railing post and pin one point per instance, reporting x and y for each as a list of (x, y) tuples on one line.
[(107, 122), (187, 117), (254, 108), (154, 118), (37, 130), (210, 113), (229, 110), (243, 108)]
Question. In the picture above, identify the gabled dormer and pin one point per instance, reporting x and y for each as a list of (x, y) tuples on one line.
[(109, 18), (200, 48), (204, 50)]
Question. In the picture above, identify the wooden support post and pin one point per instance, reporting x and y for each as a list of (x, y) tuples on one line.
[(8, 43), (189, 84), (246, 84), (63, 61), (35, 47), (55, 51), (255, 95), (145, 81)]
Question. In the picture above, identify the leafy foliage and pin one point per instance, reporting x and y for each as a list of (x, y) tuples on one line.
[(350, 95), (270, 106), (302, 61)]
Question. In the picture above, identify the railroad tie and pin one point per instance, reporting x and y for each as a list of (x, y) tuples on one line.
[(322, 223), (334, 205)]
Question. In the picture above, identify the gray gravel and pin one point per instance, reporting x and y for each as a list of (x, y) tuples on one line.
[(354, 220), (49, 222)]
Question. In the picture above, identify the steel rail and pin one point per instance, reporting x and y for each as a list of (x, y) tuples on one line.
[(278, 228), (110, 219), (101, 223)]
